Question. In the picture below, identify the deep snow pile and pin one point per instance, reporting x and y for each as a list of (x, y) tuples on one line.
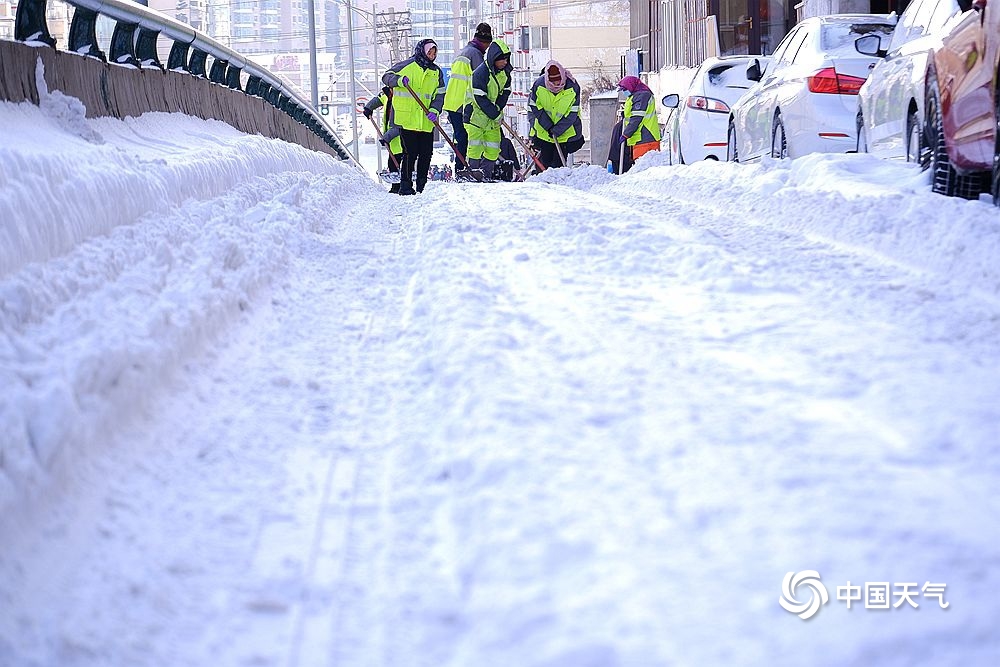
[(187, 222)]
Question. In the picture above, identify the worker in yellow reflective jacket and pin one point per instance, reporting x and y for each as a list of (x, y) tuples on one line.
[(490, 91), (455, 97), (390, 131), (418, 76), (554, 114), (640, 127)]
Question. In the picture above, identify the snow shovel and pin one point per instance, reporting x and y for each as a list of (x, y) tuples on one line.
[(387, 175), (562, 158), (466, 174), (527, 149)]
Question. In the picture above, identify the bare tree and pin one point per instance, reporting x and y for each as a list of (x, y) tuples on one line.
[(600, 82)]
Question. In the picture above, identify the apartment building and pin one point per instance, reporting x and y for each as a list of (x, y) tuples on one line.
[(7, 12), (57, 14), (668, 33)]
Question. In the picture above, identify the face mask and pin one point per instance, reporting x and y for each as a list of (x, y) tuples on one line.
[(627, 93)]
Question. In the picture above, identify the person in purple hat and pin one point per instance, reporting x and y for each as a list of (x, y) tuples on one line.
[(640, 127)]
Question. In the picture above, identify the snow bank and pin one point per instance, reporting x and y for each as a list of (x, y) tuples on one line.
[(124, 247), (83, 178), (862, 201)]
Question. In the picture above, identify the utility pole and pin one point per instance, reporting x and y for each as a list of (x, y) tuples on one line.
[(394, 30), (385, 109), (313, 69), (354, 83)]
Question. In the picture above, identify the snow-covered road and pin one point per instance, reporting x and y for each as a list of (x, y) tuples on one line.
[(583, 421)]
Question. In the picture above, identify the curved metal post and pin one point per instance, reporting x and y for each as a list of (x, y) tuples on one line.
[(145, 48), (30, 25), (123, 44), (83, 34), (253, 86), (177, 60), (218, 72), (233, 77), (197, 63)]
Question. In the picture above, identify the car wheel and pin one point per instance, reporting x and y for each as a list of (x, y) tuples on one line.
[(862, 145), (732, 153), (916, 151), (779, 142), (944, 179)]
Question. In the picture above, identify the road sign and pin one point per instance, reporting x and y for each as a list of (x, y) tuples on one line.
[(360, 103)]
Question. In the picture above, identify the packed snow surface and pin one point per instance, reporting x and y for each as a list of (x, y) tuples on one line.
[(254, 410)]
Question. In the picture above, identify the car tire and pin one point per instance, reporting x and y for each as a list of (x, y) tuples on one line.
[(862, 145), (732, 152), (945, 180), (779, 142), (916, 150)]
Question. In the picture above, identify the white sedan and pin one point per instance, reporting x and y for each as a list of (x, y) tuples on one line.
[(696, 129), (891, 103), (805, 101)]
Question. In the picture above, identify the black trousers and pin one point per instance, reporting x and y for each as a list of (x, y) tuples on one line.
[(417, 150), (461, 136), (549, 156), (394, 166)]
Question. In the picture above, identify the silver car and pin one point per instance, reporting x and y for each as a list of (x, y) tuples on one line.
[(805, 101), (696, 128), (891, 102)]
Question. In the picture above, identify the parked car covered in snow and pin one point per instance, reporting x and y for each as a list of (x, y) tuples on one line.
[(805, 99), (962, 111), (696, 128), (891, 102)]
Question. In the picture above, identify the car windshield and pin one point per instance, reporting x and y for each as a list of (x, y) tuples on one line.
[(838, 38)]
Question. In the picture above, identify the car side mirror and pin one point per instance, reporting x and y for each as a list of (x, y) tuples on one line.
[(671, 101), (870, 45), (753, 70)]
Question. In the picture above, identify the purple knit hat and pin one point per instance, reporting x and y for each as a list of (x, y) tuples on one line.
[(632, 84)]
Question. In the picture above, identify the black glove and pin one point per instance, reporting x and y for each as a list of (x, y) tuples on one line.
[(368, 113)]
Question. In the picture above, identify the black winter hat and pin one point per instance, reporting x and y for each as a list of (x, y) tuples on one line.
[(484, 32)]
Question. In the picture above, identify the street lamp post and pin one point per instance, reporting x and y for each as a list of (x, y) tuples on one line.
[(354, 83), (378, 153), (313, 69)]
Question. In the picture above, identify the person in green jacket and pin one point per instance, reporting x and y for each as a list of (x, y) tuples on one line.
[(490, 91), (420, 75), (390, 131), (465, 63), (640, 127), (554, 114)]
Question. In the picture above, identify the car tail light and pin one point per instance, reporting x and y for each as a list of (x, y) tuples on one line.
[(828, 80), (707, 104)]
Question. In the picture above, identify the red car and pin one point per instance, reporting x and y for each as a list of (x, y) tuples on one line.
[(961, 109)]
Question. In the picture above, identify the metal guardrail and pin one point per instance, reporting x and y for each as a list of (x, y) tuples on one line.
[(133, 43)]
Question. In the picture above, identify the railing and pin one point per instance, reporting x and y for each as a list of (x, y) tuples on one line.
[(133, 43)]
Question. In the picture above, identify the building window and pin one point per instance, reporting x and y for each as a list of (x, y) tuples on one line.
[(540, 37)]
